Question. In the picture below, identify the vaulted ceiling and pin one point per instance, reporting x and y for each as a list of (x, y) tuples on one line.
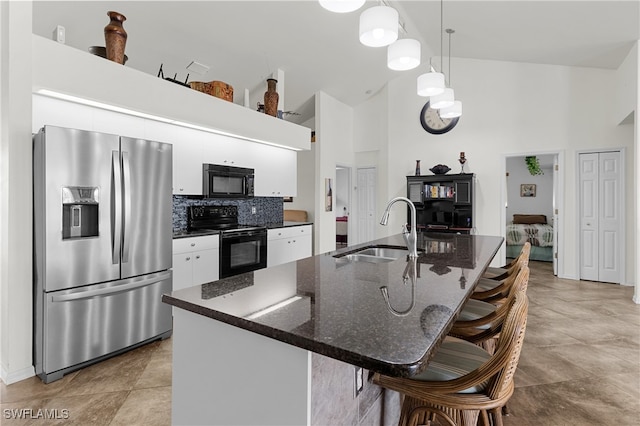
[(243, 42)]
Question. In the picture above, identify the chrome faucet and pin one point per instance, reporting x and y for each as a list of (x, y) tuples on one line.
[(410, 238)]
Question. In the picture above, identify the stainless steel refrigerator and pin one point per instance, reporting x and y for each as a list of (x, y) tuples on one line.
[(102, 246)]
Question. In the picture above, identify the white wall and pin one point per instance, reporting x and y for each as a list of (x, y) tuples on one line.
[(626, 86), (371, 129), (542, 203), (334, 145), (506, 111), (15, 192)]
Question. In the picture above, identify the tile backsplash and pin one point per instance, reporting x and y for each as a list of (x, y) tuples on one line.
[(268, 209)]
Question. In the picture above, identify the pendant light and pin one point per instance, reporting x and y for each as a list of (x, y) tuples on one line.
[(452, 111), (403, 54), (341, 6), (443, 100), (432, 83), (455, 109), (378, 26)]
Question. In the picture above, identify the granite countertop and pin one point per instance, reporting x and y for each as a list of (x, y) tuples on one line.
[(181, 233), (286, 224), (335, 307)]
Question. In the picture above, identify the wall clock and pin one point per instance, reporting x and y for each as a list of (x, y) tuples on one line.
[(433, 123)]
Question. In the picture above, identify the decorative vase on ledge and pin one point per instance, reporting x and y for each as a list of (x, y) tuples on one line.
[(115, 37), (271, 98)]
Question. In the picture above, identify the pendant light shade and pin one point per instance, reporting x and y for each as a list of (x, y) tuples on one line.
[(378, 26), (403, 54), (452, 111), (443, 100), (341, 6), (430, 84)]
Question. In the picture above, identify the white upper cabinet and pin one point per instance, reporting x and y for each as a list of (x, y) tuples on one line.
[(275, 171)]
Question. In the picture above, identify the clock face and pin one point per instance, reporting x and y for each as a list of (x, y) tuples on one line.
[(433, 123)]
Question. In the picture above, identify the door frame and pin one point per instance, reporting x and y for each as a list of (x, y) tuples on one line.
[(623, 206), (557, 200)]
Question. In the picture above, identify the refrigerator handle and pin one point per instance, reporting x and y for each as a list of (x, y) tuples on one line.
[(116, 207), (126, 227), (110, 291)]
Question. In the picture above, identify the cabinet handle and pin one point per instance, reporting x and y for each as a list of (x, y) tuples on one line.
[(188, 258), (198, 257), (193, 244), (294, 241)]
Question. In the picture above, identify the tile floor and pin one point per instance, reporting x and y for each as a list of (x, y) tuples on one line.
[(580, 365)]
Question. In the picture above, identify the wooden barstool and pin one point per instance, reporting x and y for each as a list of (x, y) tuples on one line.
[(463, 384), (481, 322)]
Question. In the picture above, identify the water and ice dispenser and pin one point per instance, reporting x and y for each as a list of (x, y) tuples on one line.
[(79, 212)]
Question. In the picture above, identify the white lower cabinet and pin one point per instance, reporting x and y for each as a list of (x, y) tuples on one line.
[(288, 244), (195, 261)]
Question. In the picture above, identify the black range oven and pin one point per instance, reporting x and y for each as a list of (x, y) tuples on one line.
[(242, 248)]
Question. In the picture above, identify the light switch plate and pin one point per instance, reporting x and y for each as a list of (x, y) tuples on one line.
[(59, 34)]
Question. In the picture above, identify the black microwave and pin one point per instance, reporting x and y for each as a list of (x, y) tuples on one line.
[(220, 181)]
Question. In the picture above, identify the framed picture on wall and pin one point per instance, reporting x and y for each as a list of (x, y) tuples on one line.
[(528, 190), (328, 204)]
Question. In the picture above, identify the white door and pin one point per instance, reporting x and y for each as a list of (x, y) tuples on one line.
[(600, 220), (610, 223), (555, 215), (366, 190)]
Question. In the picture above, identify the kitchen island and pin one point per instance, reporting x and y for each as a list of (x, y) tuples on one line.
[(246, 348)]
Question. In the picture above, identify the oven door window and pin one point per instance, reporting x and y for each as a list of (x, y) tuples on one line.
[(244, 253)]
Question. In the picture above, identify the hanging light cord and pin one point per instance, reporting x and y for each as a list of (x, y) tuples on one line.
[(441, 16), (450, 31)]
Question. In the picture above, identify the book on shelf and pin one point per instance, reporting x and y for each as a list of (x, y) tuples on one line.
[(438, 191)]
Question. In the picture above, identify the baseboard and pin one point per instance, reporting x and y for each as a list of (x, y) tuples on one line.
[(16, 376)]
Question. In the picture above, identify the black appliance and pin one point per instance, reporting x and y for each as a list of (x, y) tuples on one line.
[(227, 181), (243, 248)]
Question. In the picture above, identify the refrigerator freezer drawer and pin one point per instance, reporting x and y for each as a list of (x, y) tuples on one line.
[(90, 322)]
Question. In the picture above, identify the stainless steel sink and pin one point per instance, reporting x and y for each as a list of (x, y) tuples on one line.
[(374, 254)]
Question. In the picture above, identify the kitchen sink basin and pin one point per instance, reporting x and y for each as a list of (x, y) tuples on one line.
[(374, 254)]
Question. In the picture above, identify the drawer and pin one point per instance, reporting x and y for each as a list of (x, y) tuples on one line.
[(186, 245), (289, 232)]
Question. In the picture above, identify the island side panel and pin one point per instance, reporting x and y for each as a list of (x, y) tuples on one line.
[(223, 375)]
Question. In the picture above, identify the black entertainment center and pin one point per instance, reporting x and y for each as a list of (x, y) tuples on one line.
[(444, 203)]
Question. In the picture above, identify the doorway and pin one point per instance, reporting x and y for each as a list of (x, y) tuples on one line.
[(535, 195), (601, 203), (343, 205)]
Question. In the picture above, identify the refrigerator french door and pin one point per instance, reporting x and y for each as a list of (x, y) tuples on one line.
[(102, 246)]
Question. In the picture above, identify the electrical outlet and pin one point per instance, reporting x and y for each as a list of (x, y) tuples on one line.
[(253, 210), (359, 381)]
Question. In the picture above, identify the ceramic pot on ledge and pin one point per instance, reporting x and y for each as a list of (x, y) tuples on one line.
[(115, 37), (271, 98)]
